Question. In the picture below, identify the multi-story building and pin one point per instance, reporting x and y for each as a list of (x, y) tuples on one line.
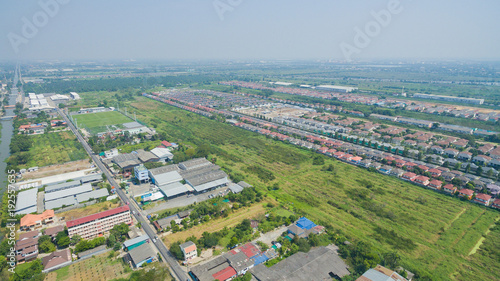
[(189, 250), (141, 173), (96, 224)]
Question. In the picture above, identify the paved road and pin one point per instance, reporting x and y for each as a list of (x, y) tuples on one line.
[(167, 256)]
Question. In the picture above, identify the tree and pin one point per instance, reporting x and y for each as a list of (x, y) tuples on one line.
[(63, 242), (44, 238), (75, 239), (175, 249), (46, 247), (391, 260), (233, 242)]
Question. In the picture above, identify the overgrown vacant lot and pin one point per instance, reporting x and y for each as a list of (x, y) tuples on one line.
[(433, 233), (52, 148), (98, 268)]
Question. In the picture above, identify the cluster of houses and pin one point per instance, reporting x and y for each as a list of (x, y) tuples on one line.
[(39, 128), (426, 107), (362, 151), (321, 263), (26, 248), (89, 227)]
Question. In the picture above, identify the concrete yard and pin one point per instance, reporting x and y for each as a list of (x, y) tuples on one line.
[(184, 200)]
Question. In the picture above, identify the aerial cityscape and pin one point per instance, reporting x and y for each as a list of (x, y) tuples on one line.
[(247, 140)]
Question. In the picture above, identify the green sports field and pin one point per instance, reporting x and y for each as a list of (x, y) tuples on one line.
[(96, 122)]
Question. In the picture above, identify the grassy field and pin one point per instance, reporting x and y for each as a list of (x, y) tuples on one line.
[(54, 148), (97, 268), (217, 224), (98, 121), (432, 232)]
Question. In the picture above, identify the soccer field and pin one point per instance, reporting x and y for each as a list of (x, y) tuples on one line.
[(93, 120)]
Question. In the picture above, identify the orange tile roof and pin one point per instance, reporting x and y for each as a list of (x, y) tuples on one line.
[(30, 219)]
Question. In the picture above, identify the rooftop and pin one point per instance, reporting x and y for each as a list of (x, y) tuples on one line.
[(318, 264), (141, 253), (97, 216), (25, 199), (56, 258)]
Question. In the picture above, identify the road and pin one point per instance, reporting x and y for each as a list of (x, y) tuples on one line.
[(167, 256)]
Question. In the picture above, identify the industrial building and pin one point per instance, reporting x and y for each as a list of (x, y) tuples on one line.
[(68, 192), (26, 201), (165, 175), (174, 189), (322, 263), (135, 128), (194, 164), (74, 95), (163, 154), (341, 89), (97, 224), (98, 193), (126, 161), (449, 98)]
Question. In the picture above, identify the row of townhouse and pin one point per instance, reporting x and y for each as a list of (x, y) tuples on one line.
[(332, 145)]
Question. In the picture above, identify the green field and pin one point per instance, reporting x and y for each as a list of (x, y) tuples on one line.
[(49, 149), (97, 122), (432, 232)]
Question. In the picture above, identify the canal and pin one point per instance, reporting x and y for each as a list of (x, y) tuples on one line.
[(7, 132)]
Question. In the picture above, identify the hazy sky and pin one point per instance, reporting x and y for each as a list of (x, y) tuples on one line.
[(249, 29)]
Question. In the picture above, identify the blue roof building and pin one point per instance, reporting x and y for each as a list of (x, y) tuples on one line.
[(305, 223), (260, 259)]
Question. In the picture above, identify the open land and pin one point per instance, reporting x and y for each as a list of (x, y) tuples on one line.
[(54, 148), (58, 169), (101, 119), (217, 224), (432, 232), (98, 268)]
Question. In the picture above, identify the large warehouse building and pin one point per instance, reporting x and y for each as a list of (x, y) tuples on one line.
[(26, 201)]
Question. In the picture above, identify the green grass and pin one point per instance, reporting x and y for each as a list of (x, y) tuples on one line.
[(54, 148), (101, 119), (423, 226)]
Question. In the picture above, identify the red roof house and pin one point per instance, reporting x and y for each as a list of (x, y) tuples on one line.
[(483, 199), (466, 193), (423, 180), (496, 204), (435, 184), (409, 176), (450, 188), (435, 172)]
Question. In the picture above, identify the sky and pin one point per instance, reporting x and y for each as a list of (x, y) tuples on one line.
[(339, 30)]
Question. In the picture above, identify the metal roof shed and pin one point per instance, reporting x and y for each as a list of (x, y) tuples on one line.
[(68, 192), (173, 189), (26, 201)]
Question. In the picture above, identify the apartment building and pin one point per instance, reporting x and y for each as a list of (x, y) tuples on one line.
[(97, 224)]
